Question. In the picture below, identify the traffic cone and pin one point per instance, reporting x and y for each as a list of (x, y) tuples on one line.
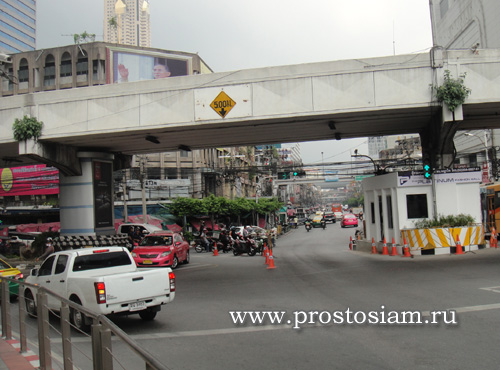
[(493, 239), (350, 243), (271, 260), (216, 252), (459, 247), (394, 250), (266, 252), (385, 251), (374, 248), (406, 249)]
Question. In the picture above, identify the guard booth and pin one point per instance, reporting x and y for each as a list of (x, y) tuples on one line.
[(394, 201)]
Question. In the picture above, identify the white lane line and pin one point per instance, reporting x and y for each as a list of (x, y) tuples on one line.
[(495, 289)]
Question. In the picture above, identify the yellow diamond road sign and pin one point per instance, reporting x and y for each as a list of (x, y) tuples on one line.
[(223, 104)]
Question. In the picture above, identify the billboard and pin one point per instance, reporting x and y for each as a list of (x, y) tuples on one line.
[(29, 180), (128, 65), (103, 194)]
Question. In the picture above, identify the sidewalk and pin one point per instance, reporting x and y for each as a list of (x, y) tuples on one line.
[(11, 359)]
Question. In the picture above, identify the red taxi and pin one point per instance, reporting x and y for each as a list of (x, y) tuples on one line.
[(349, 220), (161, 249)]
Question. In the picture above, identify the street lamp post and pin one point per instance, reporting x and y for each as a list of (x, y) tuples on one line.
[(486, 155)]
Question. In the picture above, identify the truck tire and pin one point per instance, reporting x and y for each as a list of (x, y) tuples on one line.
[(148, 314), (30, 303), (78, 319)]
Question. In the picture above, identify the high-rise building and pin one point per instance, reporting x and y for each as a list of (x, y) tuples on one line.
[(127, 22), (17, 26), (473, 25)]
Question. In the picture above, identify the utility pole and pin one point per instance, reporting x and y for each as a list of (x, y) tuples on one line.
[(125, 209), (143, 189)]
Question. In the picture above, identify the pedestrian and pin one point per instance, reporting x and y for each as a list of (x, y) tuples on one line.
[(49, 249)]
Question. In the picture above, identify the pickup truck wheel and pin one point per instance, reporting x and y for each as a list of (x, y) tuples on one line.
[(175, 262), (30, 304), (186, 261), (147, 314), (78, 319)]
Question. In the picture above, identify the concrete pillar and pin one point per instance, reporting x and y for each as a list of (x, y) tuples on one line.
[(86, 201)]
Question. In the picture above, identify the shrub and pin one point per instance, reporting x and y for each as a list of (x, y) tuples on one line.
[(445, 221), (27, 128)]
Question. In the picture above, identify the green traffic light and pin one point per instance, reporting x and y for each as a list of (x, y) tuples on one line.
[(295, 173), (427, 167)]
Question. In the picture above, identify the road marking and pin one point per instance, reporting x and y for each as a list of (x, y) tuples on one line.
[(483, 307), (495, 289)]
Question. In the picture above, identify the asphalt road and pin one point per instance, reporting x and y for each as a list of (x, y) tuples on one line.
[(316, 272)]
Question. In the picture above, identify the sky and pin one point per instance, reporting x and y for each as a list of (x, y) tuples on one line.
[(231, 35)]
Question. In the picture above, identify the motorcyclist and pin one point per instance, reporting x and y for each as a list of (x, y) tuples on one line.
[(323, 223), (308, 224), (224, 239), (204, 240)]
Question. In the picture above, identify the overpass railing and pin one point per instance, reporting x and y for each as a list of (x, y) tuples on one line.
[(98, 355)]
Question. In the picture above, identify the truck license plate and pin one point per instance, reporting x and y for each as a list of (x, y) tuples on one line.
[(137, 306)]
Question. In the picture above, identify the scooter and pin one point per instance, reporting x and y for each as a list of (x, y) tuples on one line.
[(245, 245), (308, 226), (199, 246)]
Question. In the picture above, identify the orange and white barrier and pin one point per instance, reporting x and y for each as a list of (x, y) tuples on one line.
[(442, 239)]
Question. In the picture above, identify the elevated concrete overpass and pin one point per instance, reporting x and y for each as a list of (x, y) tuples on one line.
[(328, 100), (318, 101)]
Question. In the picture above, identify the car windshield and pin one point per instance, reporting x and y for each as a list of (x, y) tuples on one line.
[(154, 240)]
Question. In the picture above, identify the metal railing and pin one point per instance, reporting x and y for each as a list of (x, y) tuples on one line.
[(102, 330)]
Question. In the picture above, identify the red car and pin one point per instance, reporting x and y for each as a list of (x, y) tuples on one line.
[(349, 220), (161, 249)]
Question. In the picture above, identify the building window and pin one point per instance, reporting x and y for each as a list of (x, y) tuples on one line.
[(171, 173), (23, 75), (184, 153), (82, 65), (416, 206), (49, 72), (65, 66)]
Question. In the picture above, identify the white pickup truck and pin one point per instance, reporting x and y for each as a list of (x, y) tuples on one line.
[(104, 280)]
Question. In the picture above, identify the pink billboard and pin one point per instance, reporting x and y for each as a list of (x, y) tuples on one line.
[(29, 180)]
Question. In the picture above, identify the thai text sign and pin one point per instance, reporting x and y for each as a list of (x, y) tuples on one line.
[(29, 180)]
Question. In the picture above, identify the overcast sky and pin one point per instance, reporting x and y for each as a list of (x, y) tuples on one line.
[(233, 34)]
